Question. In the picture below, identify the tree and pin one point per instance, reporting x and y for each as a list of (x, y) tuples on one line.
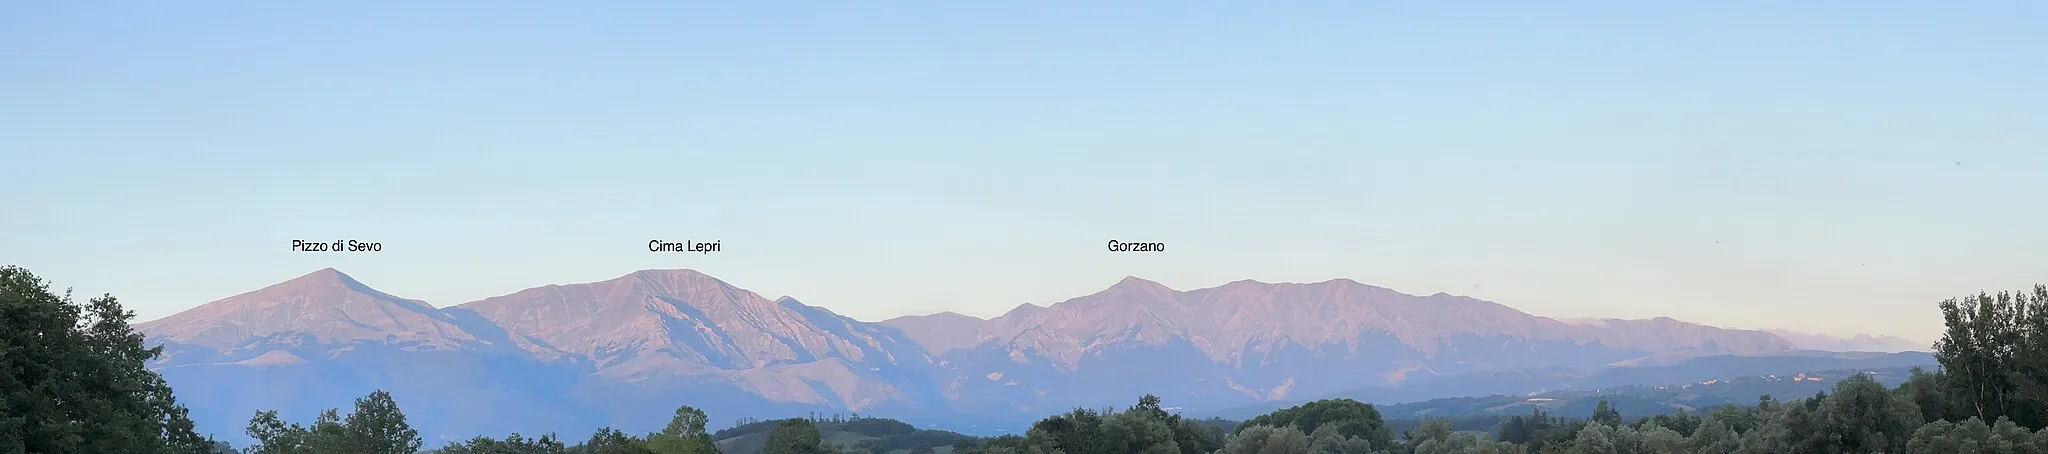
[(1762, 429), (1606, 414), (1437, 437), (1935, 438), (1681, 421), (1994, 352), (688, 422), (73, 378), (1609, 439), (1139, 430), (1145, 427), (684, 434), (1929, 392), (1354, 418), (1262, 439), (1329, 440), (794, 436), (513, 444), (1861, 416), (1076, 431), (1194, 437), (378, 427), (1663, 440), (1148, 406), (1713, 436), (611, 441)]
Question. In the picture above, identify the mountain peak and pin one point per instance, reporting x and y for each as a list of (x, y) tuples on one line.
[(671, 280), (1134, 284), (674, 273), (323, 275), (1135, 281), (651, 317), (329, 304)]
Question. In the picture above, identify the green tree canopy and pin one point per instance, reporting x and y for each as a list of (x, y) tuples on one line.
[(513, 444), (1995, 355), (794, 436), (74, 377), (1606, 414), (684, 434), (1352, 419), (688, 422), (611, 441), (376, 426)]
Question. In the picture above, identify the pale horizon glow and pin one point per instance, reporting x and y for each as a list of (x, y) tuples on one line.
[(1827, 167)]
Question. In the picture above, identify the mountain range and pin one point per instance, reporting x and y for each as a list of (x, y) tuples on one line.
[(625, 352), (1852, 343)]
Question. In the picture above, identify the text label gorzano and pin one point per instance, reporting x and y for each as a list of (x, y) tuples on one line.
[(1119, 246)]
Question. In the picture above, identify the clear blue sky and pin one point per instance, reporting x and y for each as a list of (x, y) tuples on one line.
[(1831, 166)]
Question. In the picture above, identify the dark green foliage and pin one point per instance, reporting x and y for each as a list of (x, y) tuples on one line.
[(893, 440), (1604, 414), (1259, 439), (999, 444), (1437, 437), (513, 444), (1995, 355), (1861, 416), (684, 434), (884, 435), (1538, 428), (1713, 436), (688, 422), (1351, 417), (1076, 431), (73, 378), (611, 441), (878, 427), (1515, 430), (1682, 422), (1146, 427), (1930, 393), (745, 426), (794, 436), (1195, 436), (376, 426), (1220, 424)]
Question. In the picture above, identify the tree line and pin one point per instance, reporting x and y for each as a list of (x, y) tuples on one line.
[(73, 379)]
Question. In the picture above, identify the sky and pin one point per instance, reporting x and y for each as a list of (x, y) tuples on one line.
[(1830, 166)]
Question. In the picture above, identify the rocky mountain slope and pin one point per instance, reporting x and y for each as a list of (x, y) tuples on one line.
[(624, 352), (1250, 341)]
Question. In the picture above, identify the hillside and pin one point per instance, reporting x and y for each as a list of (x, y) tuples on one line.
[(854, 433)]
